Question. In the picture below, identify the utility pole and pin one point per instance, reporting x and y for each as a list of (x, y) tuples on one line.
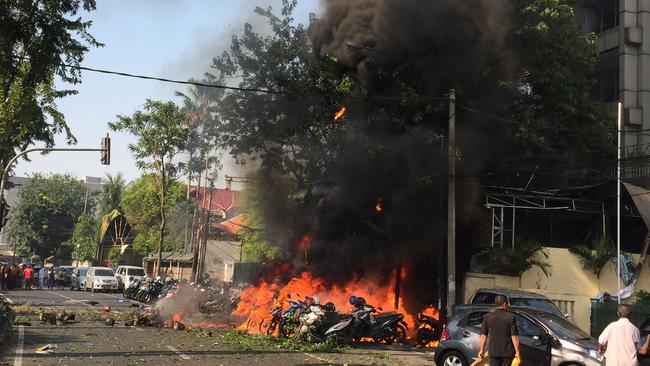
[(451, 205)]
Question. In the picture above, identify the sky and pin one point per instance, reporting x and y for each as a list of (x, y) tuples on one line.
[(164, 38)]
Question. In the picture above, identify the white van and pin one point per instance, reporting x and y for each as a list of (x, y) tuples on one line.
[(100, 279), (126, 274)]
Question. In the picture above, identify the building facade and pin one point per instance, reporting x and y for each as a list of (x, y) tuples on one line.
[(623, 30)]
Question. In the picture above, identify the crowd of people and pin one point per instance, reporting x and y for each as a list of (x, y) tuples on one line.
[(24, 276)]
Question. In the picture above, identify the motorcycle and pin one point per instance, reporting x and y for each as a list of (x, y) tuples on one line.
[(428, 330), (276, 318), (291, 319), (133, 288), (383, 328), (310, 323)]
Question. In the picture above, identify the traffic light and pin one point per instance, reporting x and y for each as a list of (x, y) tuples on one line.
[(106, 150), (4, 213)]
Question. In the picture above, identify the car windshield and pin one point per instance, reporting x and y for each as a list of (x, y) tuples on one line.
[(135, 272), (103, 272), (542, 304), (82, 271), (563, 328)]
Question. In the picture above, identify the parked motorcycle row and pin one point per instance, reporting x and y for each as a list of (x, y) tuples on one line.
[(150, 290), (309, 321)]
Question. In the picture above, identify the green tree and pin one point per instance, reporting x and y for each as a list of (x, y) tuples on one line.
[(46, 214), (111, 196), (162, 135), (593, 260), (141, 202), (85, 238), (36, 38)]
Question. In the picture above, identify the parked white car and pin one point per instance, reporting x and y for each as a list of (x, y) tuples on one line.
[(100, 279), (126, 274)]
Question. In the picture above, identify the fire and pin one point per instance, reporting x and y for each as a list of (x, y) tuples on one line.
[(257, 302), (431, 311), (379, 205), (339, 114), (177, 318), (304, 242)]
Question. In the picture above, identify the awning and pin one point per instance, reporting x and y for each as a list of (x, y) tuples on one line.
[(641, 198)]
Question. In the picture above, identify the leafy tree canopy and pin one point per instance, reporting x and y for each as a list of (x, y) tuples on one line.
[(141, 202), (85, 238), (46, 214), (36, 37)]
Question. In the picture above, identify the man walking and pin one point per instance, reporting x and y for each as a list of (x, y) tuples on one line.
[(500, 327), (620, 339)]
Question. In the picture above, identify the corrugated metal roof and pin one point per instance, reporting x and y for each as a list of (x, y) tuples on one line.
[(172, 257)]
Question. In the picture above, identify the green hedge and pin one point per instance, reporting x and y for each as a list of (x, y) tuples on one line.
[(6, 318)]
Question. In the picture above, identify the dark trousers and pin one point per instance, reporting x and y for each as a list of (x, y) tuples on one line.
[(500, 361)]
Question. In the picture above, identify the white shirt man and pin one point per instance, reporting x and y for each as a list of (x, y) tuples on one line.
[(620, 338)]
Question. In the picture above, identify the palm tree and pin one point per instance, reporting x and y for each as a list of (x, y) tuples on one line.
[(111, 197), (594, 260), (526, 256)]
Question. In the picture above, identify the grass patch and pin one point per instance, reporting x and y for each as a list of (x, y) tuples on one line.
[(245, 342)]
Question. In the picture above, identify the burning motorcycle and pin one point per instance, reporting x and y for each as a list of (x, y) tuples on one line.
[(276, 318), (428, 329), (386, 328), (316, 321)]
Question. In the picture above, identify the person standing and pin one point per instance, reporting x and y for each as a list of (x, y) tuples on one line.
[(3, 275), (61, 278), (50, 278), (500, 326), (619, 340), (28, 273)]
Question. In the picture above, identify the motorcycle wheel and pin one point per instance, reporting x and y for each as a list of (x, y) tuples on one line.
[(271, 329), (424, 336), (400, 334)]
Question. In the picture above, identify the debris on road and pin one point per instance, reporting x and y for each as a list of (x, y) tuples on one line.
[(46, 349)]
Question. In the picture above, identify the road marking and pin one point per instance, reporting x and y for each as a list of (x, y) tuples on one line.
[(183, 356), (10, 301), (19, 347), (73, 300), (316, 357)]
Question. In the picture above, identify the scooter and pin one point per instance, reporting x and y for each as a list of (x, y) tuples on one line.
[(428, 329)]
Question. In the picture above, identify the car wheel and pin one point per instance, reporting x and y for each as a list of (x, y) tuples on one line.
[(453, 358)]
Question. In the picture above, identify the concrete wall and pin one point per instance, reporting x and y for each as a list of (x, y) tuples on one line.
[(569, 286)]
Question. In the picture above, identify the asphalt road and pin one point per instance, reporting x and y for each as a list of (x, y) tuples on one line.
[(69, 299), (93, 343)]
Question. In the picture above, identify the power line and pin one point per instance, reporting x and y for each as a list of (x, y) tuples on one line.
[(518, 123), (218, 86)]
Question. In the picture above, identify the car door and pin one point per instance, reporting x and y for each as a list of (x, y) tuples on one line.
[(469, 331), (533, 352)]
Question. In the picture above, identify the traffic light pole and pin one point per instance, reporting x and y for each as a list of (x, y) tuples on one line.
[(13, 160)]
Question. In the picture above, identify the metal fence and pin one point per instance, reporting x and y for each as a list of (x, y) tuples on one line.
[(603, 313)]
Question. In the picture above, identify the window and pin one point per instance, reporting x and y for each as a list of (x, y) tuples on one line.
[(475, 319), (136, 272), (542, 304), (484, 298), (527, 328), (104, 272)]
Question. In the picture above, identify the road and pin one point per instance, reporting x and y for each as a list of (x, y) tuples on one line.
[(92, 343)]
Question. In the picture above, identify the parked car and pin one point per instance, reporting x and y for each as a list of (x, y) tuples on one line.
[(78, 280), (126, 274), (486, 296), (545, 339), (100, 279)]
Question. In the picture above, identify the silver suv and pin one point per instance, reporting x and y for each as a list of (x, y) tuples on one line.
[(545, 339), (487, 296)]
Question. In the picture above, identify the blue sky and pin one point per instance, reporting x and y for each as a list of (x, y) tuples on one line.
[(166, 38)]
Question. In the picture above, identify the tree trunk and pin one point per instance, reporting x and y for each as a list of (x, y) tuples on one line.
[(161, 237)]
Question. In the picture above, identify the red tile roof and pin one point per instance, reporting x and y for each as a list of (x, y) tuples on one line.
[(232, 226), (222, 199)]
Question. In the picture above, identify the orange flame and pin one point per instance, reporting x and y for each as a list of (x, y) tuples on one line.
[(257, 302), (177, 318), (339, 114), (379, 205)]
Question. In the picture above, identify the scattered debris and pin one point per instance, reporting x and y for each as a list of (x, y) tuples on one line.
[(46, 349), (110, 322), (144, 317), (107, 308)]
